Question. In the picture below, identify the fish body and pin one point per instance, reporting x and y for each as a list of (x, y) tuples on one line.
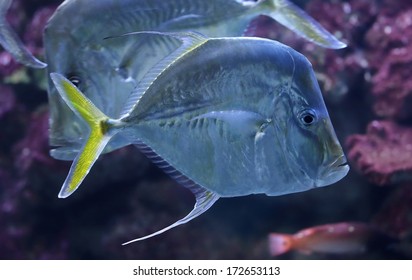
[(12, 43), (225, 117), (75, 47), (340, 238)]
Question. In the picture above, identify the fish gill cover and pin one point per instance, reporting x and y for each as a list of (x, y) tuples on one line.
[(120, 200)]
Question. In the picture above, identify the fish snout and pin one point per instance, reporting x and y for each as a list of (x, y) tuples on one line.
[(332, 171)]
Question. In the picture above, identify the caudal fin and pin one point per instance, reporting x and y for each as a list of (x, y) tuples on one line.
[(294, 18), (279, 243), (100, 132), (11, 42)]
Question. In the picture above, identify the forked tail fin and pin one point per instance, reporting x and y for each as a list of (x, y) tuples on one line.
[(101, 131), (294, 18), (11, 42)]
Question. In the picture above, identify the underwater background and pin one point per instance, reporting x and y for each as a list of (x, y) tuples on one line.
[(368, 92)]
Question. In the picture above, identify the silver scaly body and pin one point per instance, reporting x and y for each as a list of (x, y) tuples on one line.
[(225, 117)]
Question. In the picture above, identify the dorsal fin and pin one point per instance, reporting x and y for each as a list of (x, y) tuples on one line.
[(190, 41), (204, 198)]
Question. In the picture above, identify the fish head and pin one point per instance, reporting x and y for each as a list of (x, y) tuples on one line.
[(315, 156)]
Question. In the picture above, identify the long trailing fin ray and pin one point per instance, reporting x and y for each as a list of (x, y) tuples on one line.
[(294, 18), (190, 41), (204, 198), (11, 42), (100, 132)]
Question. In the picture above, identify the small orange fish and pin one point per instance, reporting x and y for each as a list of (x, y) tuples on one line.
[(340, 238)]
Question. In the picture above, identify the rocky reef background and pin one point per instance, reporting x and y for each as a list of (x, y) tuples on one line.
[(368, 91)]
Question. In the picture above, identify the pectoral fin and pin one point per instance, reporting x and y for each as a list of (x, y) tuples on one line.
[(11, 42)]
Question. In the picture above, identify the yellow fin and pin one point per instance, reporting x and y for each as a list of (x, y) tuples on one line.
[(99, 136)]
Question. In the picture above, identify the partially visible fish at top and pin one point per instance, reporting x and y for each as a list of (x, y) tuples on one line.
[(11, 42), (341, 238), (75, 47), (225, 117)]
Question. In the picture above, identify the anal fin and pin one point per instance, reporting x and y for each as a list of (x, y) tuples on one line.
[(204, 198)]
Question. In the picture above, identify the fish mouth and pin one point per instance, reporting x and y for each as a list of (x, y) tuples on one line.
[(332, 172)]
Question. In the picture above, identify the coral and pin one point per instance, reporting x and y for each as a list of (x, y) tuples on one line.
[(348, 19), (34, 30), (7, 100), (391, 62), (384, 154), (33, 148)]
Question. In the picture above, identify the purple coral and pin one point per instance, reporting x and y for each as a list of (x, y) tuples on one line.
[(34, 31), (7, 100), (384, 154), (392, 86), (390, 57), (33, 148)]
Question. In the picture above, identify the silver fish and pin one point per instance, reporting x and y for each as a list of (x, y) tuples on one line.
[(225, 117), (11, 42), (75, 47)]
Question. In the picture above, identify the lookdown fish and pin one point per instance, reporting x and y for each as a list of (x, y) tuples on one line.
[(75, 47), (11, 42), (225, 117), (341, 238)]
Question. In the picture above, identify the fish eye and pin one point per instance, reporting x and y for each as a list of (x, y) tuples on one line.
[(74, 79), (307, 117)]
